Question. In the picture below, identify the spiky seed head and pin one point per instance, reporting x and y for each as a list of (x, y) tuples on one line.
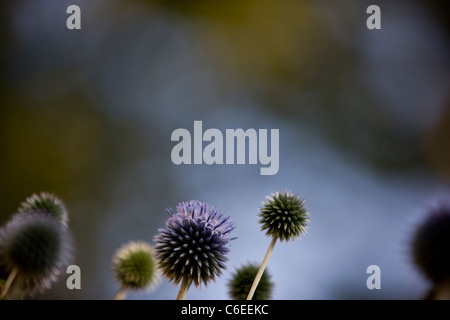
[(47, 203), (38, 247), (135, 267), (242, 280), (194, 243), (284, 216), (431, 244)]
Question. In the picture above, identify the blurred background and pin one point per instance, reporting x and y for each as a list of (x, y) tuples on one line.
[(364, 120)]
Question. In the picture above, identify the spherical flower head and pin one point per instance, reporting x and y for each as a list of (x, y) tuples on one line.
[(431, 244), (194, 244), (284, 216), (46, 203), (36, 246), (135, 267), (242, 281)]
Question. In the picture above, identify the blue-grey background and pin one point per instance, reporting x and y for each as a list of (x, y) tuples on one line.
[(364, 122)]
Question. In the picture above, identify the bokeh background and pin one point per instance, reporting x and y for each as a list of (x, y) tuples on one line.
[(364, 120)]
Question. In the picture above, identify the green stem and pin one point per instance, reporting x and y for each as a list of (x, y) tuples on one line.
[(121, 294), (185, 284), (261, 269), (9, 281), (443, 291)]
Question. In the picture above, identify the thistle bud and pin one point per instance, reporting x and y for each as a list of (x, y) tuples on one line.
[(135, 267), (284, 216), (36, 248), (242, 280), (46, 203)]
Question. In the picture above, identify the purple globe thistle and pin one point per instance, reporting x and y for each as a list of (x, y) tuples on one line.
[(34, 247), (431, 244), (194, 244)]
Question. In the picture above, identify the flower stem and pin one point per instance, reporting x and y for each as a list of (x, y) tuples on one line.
[(185, 284), (121, 294), (9, 281), (443, 291), (261, 269)]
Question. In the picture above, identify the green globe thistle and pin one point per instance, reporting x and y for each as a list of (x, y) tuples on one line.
[(134, 266), (284, 216), (242, 280), (46, 203), (34, 248)]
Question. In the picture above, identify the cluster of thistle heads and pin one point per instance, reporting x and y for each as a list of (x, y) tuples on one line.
[(193, 248), (35, 246)]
